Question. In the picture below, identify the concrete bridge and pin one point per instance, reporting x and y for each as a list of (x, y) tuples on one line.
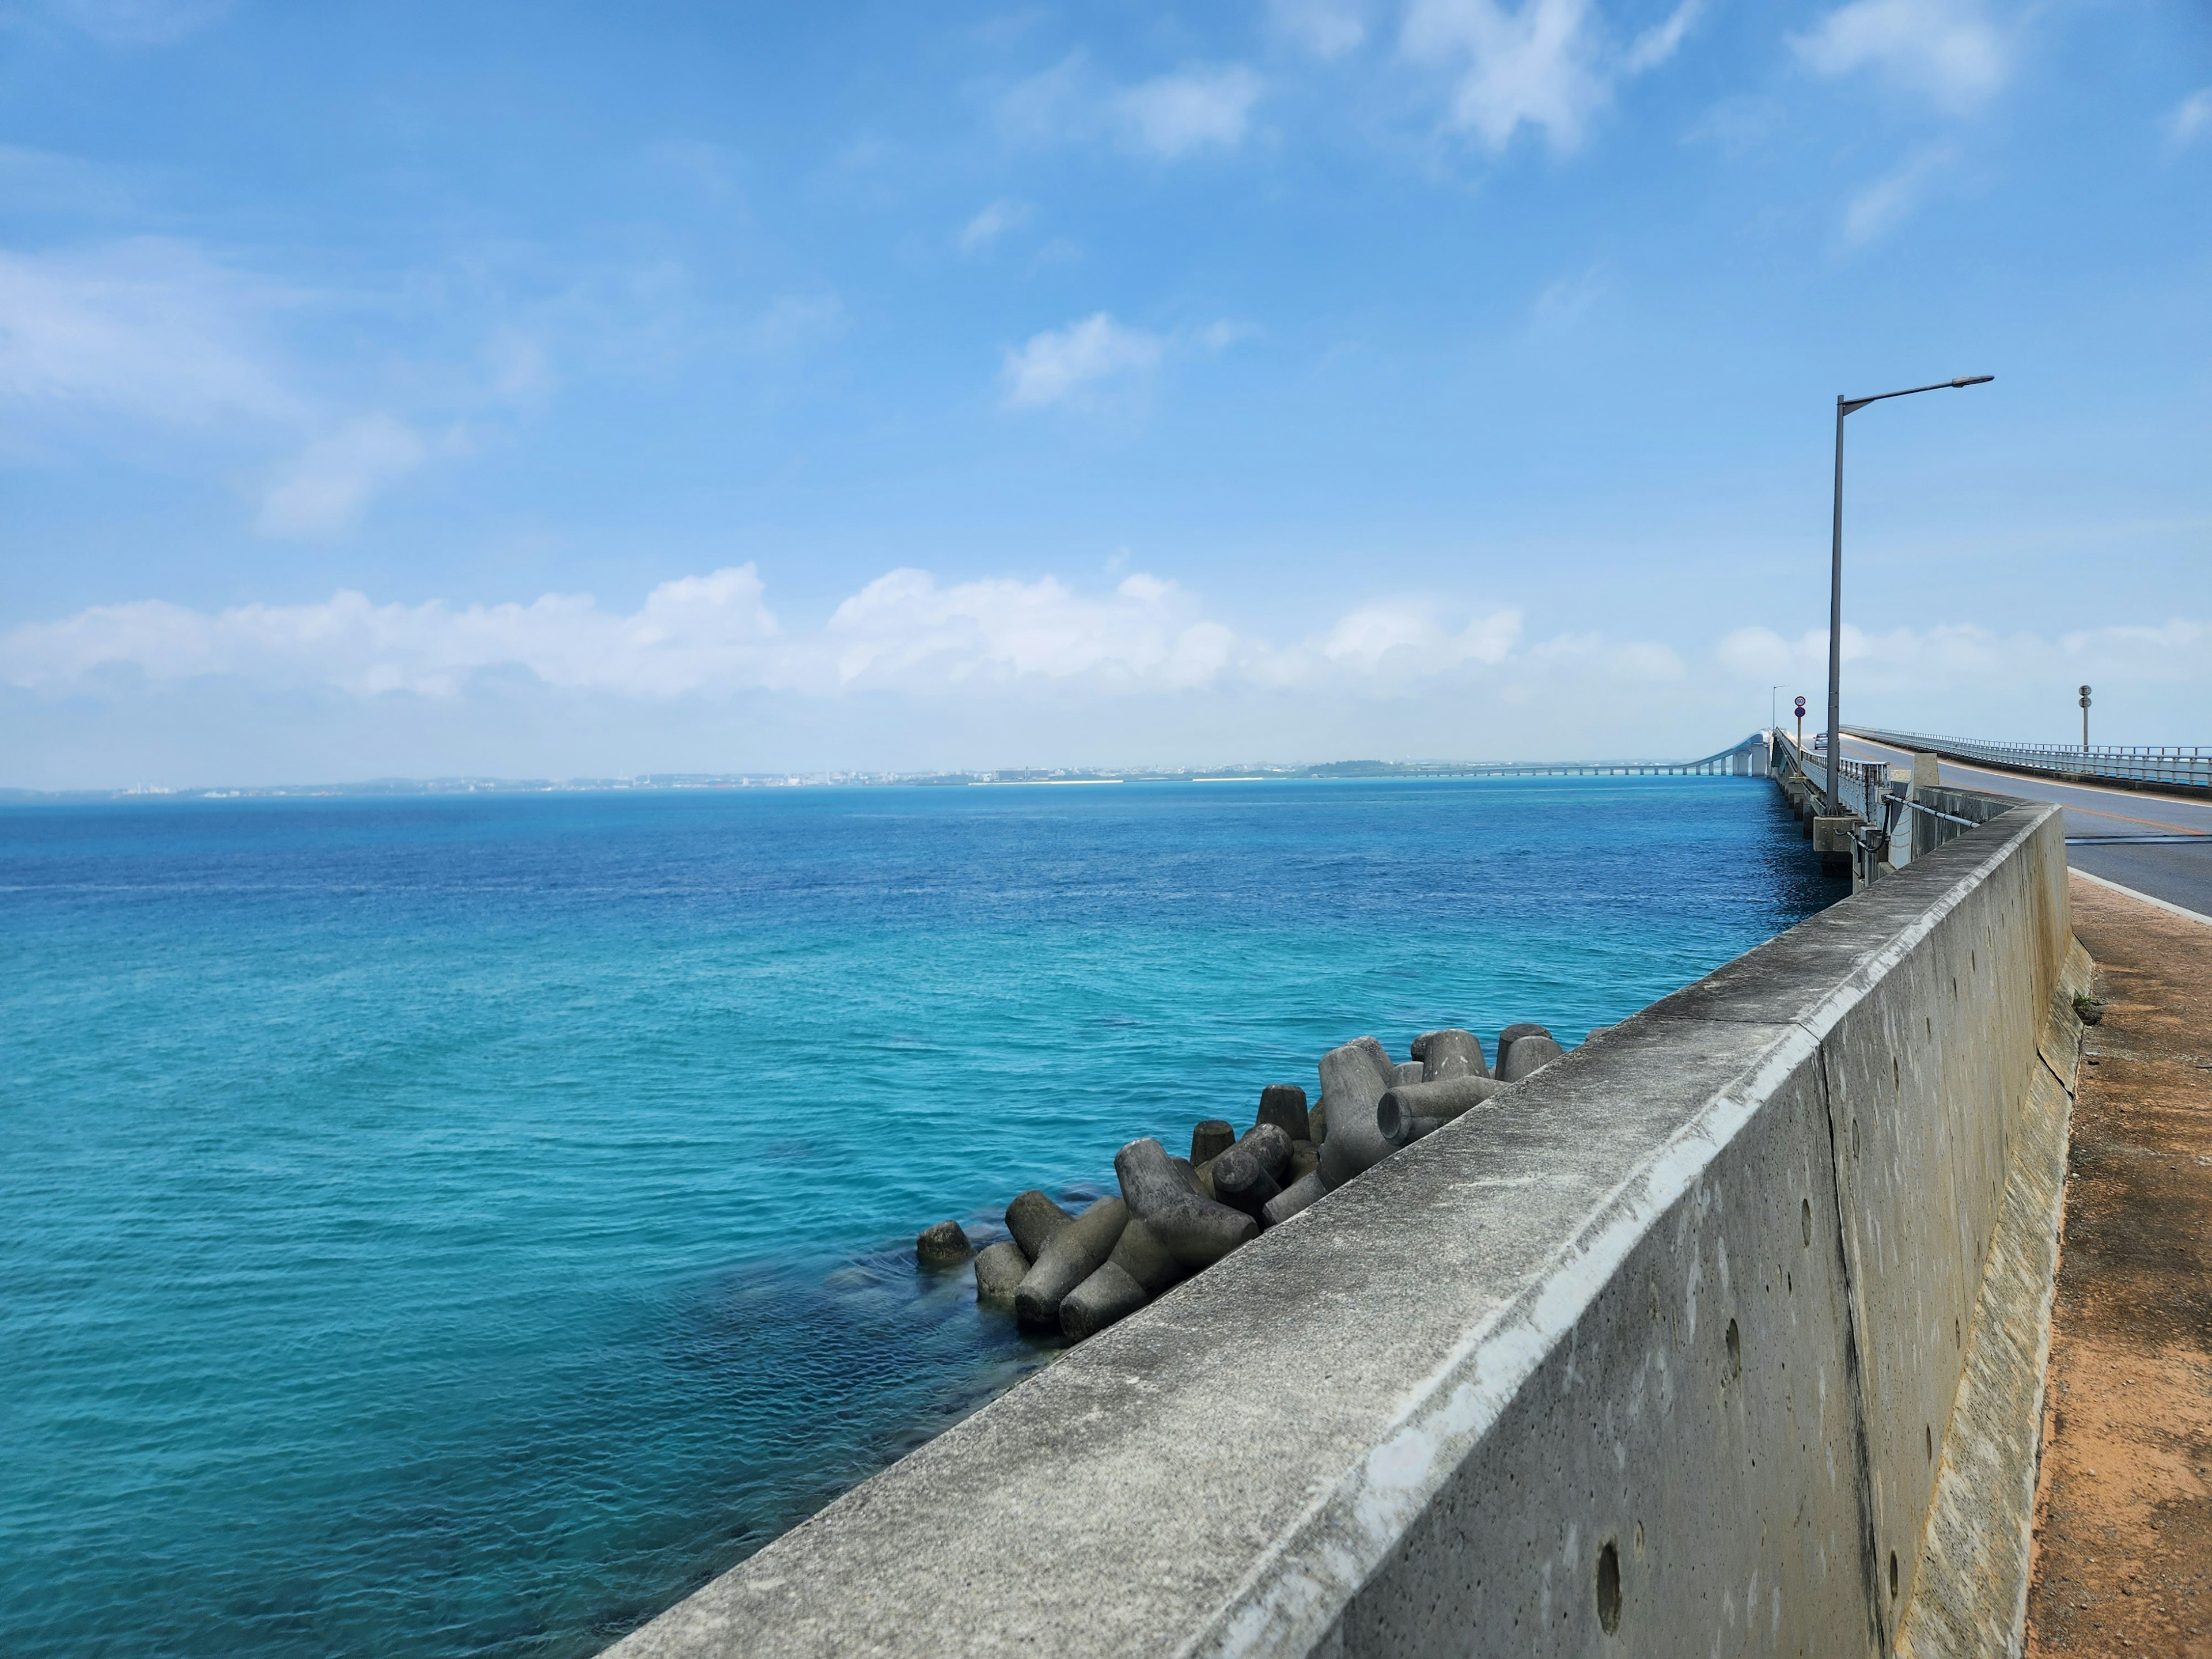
[(2133, 818), (1725, 1333), (2150, 833), (1747, 759)]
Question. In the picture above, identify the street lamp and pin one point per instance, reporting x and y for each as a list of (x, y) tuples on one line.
[(1847, 406)]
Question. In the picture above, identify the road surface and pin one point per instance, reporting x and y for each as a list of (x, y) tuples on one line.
[(2115, 834)]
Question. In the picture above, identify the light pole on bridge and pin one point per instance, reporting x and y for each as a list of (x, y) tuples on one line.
[(1848, 406)]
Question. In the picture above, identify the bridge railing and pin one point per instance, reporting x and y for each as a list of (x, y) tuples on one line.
[(1859, 784), (1894, 818), (2171, 764)]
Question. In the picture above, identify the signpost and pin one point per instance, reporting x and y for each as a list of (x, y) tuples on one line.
[(2085, 720), (1801, 724)]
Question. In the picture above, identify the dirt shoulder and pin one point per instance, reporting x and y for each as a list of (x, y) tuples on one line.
[(2124, 1532)]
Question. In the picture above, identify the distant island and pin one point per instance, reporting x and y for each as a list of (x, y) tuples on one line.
[(669, 781)]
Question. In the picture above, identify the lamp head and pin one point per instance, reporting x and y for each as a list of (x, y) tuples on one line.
[(1973, 380)]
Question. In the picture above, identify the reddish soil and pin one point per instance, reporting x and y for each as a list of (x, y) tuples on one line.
[(2124, 1526)]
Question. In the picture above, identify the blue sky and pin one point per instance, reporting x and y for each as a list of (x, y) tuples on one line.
[(565, 390)]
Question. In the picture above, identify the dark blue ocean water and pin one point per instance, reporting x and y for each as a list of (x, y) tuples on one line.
[(462, 1225)]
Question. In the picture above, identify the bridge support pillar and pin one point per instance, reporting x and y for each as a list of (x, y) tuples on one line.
[(1831, 840)]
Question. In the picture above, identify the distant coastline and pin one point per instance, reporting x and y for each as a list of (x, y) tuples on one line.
[(680, 780)]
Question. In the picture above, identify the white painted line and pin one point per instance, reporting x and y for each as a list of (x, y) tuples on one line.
[(2193, 915)]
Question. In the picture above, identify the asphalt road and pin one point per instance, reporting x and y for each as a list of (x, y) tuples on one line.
[(2181, 873)]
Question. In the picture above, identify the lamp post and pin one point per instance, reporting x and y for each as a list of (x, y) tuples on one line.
[(2085, 722), (1848, 406)]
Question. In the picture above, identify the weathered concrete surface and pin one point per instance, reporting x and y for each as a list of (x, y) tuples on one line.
[(2123, 1545), (1682, 1318), (1970, 1596)]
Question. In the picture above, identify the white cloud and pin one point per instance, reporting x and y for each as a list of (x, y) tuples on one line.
[(912, 670), (1059, 364), (1947, 50), (100, 345), (905, 633), (325, 489), (1884, 203), (1326, 29), (1533, 65), (2191, 116), (1926, 663), (1547, 63), (1195, 108), (147, 328), (1220, 335), (1588, 655), (695, 633), (903, 628), (1412, 638), (993, 222), (1053, 105), (1659, 43)]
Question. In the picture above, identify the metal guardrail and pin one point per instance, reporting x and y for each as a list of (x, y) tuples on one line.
[(2174, 765), (1860, 784), (1888, 823)]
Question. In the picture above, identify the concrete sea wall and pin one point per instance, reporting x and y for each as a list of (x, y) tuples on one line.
[(1722, 1334)]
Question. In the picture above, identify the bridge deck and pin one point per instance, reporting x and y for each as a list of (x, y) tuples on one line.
[(2155, 844)]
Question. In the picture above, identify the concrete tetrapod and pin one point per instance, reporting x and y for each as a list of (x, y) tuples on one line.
[(1141, 1255), (1441, 1101), (1450, 1053), (1033, 1219), (1073, 1253), (1197, 1231), (1407, 1071), (1352, 1079), (999, 1270), (1512, 1035), (1305, 1190), (1528, 1054), (1284, 1105), (1139, 1270), (1251, 1172), (1210, 1139), (1107, 1295), (942, 1246)]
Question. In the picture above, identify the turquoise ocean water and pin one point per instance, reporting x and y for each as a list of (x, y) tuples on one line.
[(461, 1225)]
